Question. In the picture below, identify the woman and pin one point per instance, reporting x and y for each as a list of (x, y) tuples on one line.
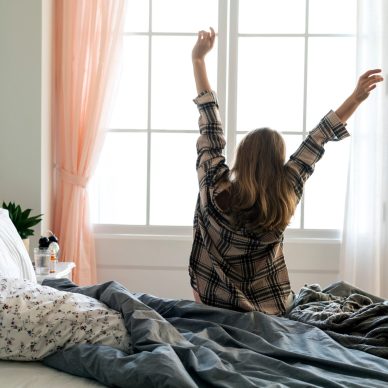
[(237, 259)]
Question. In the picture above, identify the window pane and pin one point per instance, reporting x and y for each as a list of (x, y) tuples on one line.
[(136, 18), (270, 83), (325, 190), (295, 220), (292, 144), (184, 16), (331, 75), (129, 108), (118, 191), (332, 16), (174, 184), (329, 84), (272, 16), (173, 87)]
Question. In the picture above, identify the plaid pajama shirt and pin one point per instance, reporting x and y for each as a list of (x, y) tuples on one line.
[(238, 269)]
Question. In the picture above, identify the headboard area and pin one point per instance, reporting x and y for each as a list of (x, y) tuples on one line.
[(14, 259)]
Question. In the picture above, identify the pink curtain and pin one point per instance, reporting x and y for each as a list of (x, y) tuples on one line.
[(86, 40)]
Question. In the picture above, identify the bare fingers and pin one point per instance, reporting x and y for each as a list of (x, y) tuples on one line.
[(370, 81), (212, 35), (366, 83), (370, 88), (207, 34), (368, 73), (204, 43)]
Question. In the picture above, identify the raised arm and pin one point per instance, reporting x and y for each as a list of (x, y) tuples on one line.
[(204, 44), (366, 83), (331, 128), (211, 142)]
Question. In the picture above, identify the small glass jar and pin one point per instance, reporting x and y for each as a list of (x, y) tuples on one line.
[(42, 261)]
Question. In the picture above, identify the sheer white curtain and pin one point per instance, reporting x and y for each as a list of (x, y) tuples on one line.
[(364, 253)]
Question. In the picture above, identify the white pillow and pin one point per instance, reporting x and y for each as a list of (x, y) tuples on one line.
[(14, 259), (36, 321)]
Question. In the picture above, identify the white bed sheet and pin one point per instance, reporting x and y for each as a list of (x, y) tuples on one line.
[(15, 374)]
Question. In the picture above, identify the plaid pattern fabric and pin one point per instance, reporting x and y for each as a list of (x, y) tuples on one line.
[(238, 269)]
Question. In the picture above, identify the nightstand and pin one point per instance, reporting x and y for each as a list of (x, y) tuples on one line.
[(64, 270)]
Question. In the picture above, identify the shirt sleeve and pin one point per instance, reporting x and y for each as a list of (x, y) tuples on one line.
[(211, 142), (302, 163)]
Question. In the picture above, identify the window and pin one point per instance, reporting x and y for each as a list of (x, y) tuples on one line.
[(277, 63)]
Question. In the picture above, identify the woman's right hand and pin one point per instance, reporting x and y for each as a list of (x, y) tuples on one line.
[(204, 44)]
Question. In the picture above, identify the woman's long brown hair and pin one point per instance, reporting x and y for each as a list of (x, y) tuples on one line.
[(261, 195)]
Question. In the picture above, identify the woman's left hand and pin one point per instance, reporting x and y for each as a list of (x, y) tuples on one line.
[(204, 44)]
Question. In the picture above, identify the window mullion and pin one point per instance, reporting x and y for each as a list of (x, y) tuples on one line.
[(149, 114), (232, 79), (305, 77), (222, 59)]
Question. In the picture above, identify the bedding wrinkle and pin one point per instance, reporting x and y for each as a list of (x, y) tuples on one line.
[(355, 319), (186, 344)]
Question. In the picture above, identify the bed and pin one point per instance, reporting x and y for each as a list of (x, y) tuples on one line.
[(15, 263), (14, 374), (179, 343)]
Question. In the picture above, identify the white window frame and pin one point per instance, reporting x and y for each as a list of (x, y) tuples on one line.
[(227, 74)]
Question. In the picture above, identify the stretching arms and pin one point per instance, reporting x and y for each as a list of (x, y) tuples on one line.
[(205, 42), (366, 83)]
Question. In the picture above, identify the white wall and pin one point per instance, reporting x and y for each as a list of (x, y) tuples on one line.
[(158, 265), (24, 107)]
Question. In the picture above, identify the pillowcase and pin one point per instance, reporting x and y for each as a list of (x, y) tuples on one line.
[(14, 259), (36, 321)]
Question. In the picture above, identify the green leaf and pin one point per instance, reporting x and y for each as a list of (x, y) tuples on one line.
[(31, 222), (17, 213), (22, 219), (26, 213), (26, 233)]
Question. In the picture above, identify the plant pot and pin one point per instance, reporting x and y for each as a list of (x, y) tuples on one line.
[(26, 243)]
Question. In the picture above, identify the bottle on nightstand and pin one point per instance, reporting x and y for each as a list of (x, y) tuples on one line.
[(53, 261)]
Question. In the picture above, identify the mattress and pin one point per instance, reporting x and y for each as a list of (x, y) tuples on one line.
[(14, 374)]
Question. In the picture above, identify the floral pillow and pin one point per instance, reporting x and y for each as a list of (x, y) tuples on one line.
[(36, 321)]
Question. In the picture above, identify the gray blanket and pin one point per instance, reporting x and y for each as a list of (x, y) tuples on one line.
[(178, 343), (353, 318)]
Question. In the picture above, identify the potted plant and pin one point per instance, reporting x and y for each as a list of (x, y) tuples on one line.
[(22, 220)]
